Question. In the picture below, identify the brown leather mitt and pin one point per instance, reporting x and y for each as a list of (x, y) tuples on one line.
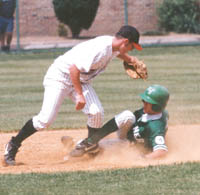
[(136, 70)]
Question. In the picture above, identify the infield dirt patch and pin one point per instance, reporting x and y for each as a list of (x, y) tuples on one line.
[(44, 152)]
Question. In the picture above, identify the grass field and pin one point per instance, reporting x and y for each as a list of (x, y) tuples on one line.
[(166, 180), (175, 67), (21, 94)]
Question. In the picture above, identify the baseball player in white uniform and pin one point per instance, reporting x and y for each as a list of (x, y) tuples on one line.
[(70, 76)]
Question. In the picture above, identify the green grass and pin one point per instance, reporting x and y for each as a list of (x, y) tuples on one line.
[(166, 180), (21, 90)]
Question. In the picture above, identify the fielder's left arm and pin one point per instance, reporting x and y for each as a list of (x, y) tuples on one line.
[(127, 58)]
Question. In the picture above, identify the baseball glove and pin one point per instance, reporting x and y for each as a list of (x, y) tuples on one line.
[(136, 70)]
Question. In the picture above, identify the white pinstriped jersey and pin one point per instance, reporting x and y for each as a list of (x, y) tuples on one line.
[(90, 57)]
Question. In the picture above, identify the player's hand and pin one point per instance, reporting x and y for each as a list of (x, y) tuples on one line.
[(133, 59), (80, 102)]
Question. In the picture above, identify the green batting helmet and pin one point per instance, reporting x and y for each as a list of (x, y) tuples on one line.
[(157, 95)]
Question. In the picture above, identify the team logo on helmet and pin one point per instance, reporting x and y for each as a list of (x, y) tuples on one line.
[(150, 90)]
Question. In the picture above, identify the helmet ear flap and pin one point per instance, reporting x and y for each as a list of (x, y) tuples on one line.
[(156, 108)]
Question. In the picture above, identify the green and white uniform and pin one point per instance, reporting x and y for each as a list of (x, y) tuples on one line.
[(151, 129), (144, 127)]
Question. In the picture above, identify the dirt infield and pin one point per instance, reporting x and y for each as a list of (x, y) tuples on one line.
[(44, 152)]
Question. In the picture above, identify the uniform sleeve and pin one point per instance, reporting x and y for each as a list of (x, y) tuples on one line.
[(159, 143), (157, 137)]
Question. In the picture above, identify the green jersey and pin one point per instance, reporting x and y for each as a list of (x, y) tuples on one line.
[(150, 128)]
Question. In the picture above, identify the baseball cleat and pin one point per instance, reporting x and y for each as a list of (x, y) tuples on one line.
[(11, 150), (83, 147)]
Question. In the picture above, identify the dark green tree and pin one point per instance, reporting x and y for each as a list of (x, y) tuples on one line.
[(77, 14), (180, 16)]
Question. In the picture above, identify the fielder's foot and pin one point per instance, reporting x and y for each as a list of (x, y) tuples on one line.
[(11, 150), (82, 147)]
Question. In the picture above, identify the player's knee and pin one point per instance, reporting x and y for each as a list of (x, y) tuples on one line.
[(41, 123), (95, 117), (125, 121), (129, 116), (125, 117)]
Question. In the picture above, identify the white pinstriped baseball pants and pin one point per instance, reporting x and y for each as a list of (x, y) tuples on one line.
[(53, 98)]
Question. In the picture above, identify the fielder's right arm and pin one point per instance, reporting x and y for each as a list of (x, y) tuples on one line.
[(75, 77)]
